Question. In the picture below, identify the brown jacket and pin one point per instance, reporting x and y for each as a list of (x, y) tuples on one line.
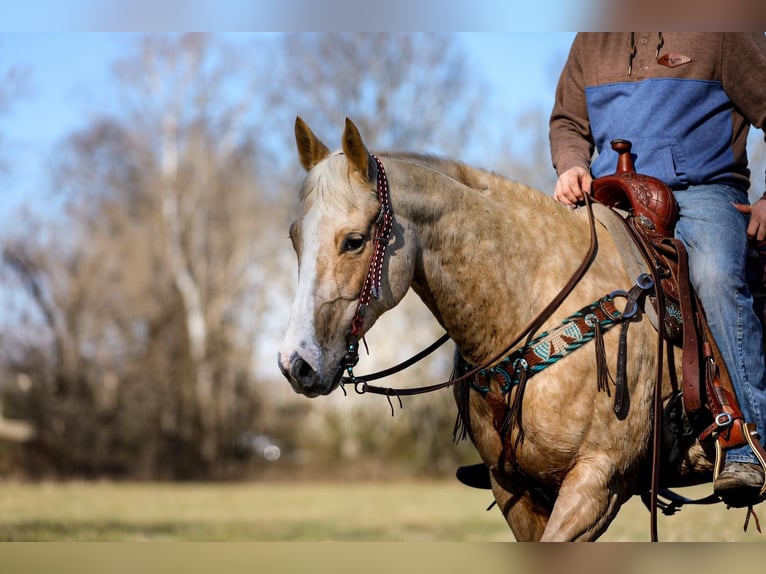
[(686, 100)]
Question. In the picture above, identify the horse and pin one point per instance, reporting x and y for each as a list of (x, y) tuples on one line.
[(485, 254)]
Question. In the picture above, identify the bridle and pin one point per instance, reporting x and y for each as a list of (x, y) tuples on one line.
[(371, 288), (384, 224)]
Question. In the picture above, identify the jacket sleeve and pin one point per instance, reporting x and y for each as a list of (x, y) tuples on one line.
[(743, 72), (569, 133)]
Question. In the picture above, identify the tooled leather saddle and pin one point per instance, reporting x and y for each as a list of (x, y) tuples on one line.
[(707, 396)]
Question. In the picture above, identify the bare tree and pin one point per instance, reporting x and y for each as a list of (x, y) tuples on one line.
[(13, 85), (157, 253), (188, 98), (404, 91), (524, 153), (170, 260)]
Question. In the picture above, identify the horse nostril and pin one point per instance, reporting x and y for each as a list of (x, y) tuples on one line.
[(304, 369), (300, 370), (301, 375)]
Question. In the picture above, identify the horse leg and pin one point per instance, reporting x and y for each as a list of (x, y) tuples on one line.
[(526, 517), (525, 514), (585, 506)]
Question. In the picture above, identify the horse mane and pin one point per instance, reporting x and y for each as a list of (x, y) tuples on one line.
[(495, 185), (488, 183), (475, 178)]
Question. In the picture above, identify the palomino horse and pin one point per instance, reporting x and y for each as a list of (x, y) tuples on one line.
[(485, 254)]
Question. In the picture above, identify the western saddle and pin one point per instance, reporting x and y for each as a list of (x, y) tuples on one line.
[(709, 404)]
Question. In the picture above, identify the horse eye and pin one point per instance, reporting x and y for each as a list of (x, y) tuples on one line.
[(353, 242)]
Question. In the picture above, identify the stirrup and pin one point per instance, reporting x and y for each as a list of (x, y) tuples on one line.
[(751, 436)]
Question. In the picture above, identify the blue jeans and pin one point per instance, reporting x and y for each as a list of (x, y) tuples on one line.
[(715, 237)]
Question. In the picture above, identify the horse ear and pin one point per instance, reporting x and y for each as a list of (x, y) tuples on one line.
[(356, 151), (310, 149)]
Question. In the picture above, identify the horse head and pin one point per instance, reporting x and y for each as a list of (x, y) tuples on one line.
[(333, 237)]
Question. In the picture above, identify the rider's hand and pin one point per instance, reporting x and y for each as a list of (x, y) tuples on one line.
[(572, 186), (756, 229)]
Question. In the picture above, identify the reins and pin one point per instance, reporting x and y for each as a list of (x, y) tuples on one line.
[(370, 287)]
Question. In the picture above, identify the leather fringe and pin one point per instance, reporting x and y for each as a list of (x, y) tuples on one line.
[(461, 429), (513, 419), (603, 376)]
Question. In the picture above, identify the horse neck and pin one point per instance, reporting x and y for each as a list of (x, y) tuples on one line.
[(479, 267)]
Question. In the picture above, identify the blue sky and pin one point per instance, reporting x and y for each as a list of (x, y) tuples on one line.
[(297, 15), (70, 81), (70, 73)]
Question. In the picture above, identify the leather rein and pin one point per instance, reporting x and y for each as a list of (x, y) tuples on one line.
[(371, 288)]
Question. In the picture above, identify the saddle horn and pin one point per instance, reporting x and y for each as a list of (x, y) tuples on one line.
[(649, 198)]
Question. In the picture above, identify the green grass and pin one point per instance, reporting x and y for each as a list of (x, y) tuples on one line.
[(400, 511), (698, 523)]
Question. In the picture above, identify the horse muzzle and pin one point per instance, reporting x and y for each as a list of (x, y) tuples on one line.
[(304, 379)]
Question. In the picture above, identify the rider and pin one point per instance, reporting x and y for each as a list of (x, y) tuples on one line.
[(686, 101)]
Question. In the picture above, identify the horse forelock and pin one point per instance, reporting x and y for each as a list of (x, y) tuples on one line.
[(330, 185)]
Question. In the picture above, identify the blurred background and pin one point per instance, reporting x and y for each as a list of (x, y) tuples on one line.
[(148, 182), (146, 274)]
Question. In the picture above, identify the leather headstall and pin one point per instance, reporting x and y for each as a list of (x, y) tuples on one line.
[(384, 224)]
